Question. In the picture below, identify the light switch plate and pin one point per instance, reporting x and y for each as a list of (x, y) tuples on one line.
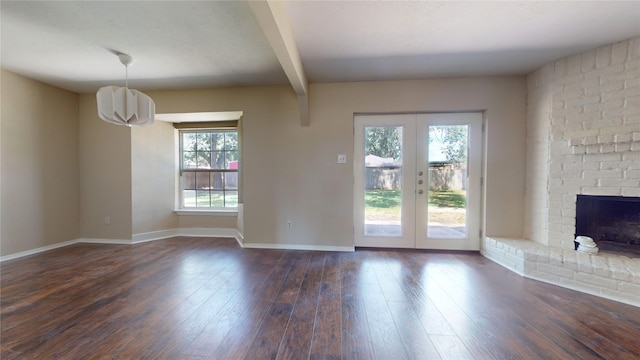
[(342, 159)]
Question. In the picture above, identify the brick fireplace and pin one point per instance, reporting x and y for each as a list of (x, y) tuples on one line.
[(583, 138)]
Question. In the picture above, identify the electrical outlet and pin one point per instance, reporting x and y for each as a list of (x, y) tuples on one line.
[(107, 220), (342, 159), (289, 224)]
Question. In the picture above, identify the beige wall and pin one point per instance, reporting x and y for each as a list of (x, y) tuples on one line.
[(291, 174), (153, 175), (289, 171), (40, 182), (331, 132), (105, 175), (206, 222), (1, 162), (115, 188), (268, 112)]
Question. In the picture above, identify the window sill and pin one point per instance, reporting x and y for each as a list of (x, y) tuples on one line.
[(211, 212)]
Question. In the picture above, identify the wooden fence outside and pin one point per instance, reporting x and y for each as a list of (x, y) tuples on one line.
[(447, 177), (383, 178)]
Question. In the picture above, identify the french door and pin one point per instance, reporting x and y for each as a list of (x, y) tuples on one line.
[(418, 180)]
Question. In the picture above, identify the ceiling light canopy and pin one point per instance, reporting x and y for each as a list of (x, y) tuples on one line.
[(124, 106)]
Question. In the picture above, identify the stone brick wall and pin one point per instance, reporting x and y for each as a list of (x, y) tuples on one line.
[(539, 91), (583, 136), (610, 276)]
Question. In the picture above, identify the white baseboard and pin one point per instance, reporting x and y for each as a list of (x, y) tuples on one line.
[(299, 247), (195, 232), (153, 235), (164, 234), (136, 239), (498, 261), (208, 232), (103, 241), (37, 250), (586, 290), (63, 244)]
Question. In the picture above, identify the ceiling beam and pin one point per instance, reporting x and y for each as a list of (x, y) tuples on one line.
[(272, 17)]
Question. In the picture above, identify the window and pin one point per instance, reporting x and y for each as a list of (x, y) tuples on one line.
[(209, 168)]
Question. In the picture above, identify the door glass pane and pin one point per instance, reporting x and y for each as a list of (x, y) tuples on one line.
[(383, 181), (447, 200)]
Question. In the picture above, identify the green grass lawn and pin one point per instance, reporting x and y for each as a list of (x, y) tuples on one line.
[(448, 198), (206, 199), (445, 205)]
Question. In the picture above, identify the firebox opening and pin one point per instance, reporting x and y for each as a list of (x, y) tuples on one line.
[(613, 222)]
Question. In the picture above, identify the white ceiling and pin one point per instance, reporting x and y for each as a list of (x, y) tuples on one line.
[(185, 44)]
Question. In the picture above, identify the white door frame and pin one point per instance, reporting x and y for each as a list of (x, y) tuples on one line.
[(415, 151), (474, 178), (408, 123)]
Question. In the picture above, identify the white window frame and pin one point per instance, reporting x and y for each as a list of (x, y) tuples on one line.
[(181, 209)]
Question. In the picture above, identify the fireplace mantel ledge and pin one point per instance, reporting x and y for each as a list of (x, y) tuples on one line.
[(610, 276)]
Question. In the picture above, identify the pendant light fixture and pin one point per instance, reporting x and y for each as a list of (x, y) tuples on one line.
[(124, 106)]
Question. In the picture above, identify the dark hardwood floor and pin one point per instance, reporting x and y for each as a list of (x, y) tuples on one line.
[(203, 298)]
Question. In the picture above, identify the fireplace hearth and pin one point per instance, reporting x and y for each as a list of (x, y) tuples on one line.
[(613, 222)]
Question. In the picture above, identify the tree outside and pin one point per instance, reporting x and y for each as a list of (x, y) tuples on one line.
[(209, 150), (385, 142), (451, 141), (209, 164)]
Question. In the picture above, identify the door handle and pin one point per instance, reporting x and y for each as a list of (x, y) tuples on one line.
[(420, 181), (420, 173), (420, 191)]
